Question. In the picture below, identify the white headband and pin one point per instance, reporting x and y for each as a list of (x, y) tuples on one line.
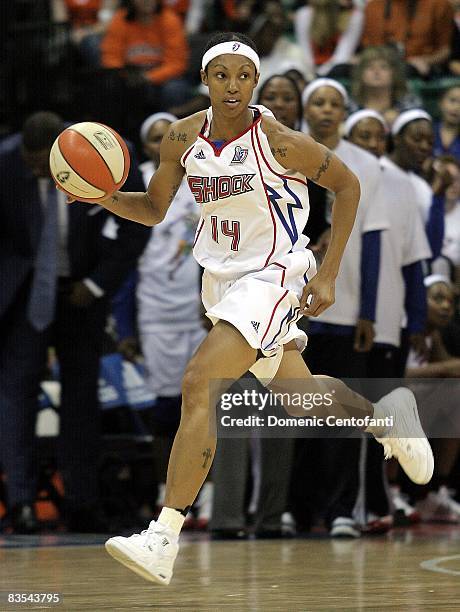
[(411, 115), (147, 124), (234, 48), (365, 113), (317, 83), (432, 279)]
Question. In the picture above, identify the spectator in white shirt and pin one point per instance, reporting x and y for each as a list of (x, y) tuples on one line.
[(348, 325)]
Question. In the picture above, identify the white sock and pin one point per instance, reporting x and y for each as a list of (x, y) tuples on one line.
[(171, 518)]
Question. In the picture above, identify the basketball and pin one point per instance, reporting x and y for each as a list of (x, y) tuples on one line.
[(89, 161)]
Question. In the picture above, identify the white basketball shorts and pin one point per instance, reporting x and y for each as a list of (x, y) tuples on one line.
[(264, 306)]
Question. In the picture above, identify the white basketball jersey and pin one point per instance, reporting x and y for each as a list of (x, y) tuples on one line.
[(253, 210)]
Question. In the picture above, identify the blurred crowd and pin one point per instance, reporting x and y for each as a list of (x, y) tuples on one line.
[(352, 74)]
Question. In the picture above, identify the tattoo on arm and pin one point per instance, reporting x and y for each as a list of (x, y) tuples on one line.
[(174, 189), (179, 136), (281, 151), (324, 166), (207, 455)]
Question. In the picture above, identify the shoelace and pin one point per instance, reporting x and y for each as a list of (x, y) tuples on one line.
[(405, 444), (146, 532)]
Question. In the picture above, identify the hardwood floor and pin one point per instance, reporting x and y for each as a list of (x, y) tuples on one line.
[(289, 575)]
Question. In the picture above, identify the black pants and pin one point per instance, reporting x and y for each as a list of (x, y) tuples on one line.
[(385, 364), (334, 355), (77, 335)]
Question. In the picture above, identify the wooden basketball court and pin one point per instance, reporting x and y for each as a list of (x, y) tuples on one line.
[(407, 570)]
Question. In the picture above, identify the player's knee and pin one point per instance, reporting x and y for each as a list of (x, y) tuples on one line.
[(194, 385)]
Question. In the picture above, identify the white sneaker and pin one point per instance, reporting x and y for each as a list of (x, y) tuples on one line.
[(344, 527), (150, 554), (446, 494), (402, 509), (406, 439), (288, 524), (438, 506)]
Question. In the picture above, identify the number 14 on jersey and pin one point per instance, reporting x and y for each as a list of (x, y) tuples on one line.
[(227, 228)]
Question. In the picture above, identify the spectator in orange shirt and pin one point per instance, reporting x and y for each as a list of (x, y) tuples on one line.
[(420, 29), (144, 58), (147, 43)]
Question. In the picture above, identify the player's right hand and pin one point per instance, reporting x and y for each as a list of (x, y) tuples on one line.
[(69, 199)]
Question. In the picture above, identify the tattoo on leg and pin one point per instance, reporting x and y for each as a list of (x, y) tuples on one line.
[(324, 166), (207, 455)]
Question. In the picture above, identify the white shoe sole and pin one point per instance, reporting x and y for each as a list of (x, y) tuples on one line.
[(411, 405), (345, 533), (122, 554)]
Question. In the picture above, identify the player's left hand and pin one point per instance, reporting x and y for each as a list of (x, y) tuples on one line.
[(318, 294), (364, 336), (80, 296)]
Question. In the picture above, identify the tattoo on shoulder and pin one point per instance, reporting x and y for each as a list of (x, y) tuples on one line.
[(178, 136), (115, 199), (324, 166), (280, 151)]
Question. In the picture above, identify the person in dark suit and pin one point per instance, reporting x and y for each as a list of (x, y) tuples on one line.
[(59, 265)]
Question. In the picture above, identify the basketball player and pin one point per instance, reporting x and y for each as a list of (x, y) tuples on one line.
[(167, 302), (247, 171)]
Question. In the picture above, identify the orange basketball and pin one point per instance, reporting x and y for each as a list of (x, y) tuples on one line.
[(89, 161)]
